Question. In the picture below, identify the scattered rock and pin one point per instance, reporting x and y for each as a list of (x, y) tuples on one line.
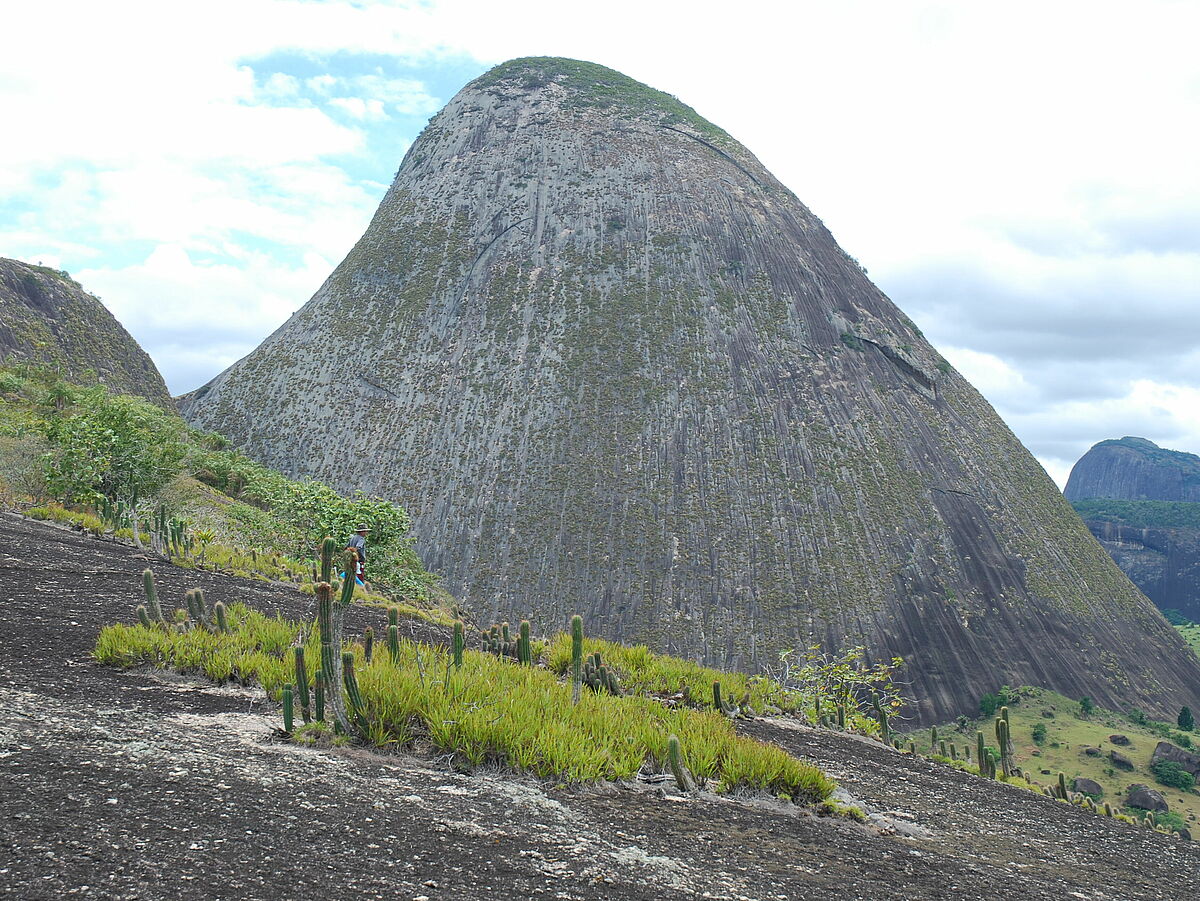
[(1092, 752), (1184, 833), (1146, 798), (1119, 739), (1167, 751), (1120, 761), (1087, 786), (1047, 714)]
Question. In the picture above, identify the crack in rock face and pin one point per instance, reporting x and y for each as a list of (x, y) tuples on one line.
[(613, 366)]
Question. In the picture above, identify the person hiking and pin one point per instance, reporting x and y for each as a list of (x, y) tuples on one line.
[(358, 544)]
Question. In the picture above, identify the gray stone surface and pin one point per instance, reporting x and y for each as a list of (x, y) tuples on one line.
[(1188, 761), (614, 367), (1146, 798)]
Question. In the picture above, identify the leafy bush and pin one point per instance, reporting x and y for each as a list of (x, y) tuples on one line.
[(1038, 733), (1170, 773), (115, 446)]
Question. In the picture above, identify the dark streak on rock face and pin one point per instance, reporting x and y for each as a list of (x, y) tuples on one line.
[(46, 317), (618, 368)]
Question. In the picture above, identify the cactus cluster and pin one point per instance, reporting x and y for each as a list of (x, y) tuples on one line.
[(499, 641), (199, 614), (598, 677)]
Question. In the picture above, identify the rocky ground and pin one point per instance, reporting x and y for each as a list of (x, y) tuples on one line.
[(143, 785)]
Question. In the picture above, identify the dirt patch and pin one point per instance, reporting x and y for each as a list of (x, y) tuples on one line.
[(144, 785)]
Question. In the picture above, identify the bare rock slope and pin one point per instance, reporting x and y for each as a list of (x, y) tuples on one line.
[(614, 366), (47, 317)]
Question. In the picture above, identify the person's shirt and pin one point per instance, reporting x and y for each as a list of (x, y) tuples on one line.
[(359, 543)]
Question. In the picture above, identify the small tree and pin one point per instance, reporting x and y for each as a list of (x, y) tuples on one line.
[(1086, 706), (1186, 721), (1039, 733)]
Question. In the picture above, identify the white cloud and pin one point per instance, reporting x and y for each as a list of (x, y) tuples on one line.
[(1021, 179)]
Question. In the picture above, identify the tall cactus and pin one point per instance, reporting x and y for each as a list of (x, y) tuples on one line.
[(678, 768), (933, 739), (331, 662), (288, 713), (222, 618), (576, 657), (319, 695), (143, 616), (368, 644), (328, 549), (153, 607), (980, 754), (525, 654), (459, 642), (394, 643), (356, 702), (1062, 786), (302, 684)]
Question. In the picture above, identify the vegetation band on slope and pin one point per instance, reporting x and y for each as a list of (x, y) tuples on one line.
[(489, 711)]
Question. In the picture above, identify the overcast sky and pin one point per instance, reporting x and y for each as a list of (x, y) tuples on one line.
[(1020, 178)]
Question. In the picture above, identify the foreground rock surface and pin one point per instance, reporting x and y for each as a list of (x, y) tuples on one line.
[(144, 785), (613, 366)]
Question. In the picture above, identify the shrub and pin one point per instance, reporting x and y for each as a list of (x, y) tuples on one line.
[(1086, 706), (1170, 773), (1039, 733), (1185, 719)]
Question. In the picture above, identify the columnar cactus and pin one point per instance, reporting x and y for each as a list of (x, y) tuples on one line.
[(356, 701), (942, 748), (329, 622), (143, 616), (153, 607), (221, 617), (980, 754), (459, 642), (394, 642), (328, 549), (1062, 786), (933, 739), (319, 695), (678, 768), (368, 644), (1108, 811), (302, 684), (525, 655), (576, 657), (288, 713)]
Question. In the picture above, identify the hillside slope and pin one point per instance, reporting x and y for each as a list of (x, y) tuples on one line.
[(151, 786), (1142, 502), (612, 365), (47, 317)]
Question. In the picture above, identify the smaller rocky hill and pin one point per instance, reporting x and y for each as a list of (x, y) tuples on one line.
[(47, 317), (1135, 469), (1142, 503)]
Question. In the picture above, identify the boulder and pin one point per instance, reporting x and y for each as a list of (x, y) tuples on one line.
[(1146, 798), (1119, 739), (1186, 760), (1092, 752), (1087, 786), (1120, 761)]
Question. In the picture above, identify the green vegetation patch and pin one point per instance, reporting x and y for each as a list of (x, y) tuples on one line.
[(645, 672), (593, 85), (1141, 514), (489, 711)]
